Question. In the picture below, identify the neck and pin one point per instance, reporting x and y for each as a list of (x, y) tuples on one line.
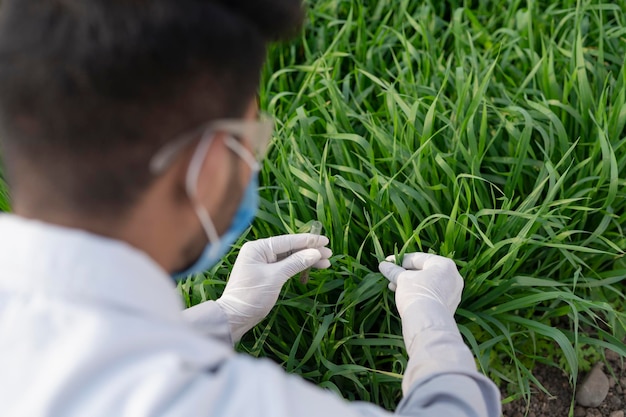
[(135, 227)]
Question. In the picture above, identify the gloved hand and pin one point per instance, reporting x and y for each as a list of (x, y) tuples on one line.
[(424, 276), (260, 271), (428, 291)]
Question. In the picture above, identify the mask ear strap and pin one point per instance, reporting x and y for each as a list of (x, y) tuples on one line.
[(242, 152), (191, 186)]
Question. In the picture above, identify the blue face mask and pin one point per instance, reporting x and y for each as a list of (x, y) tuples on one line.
[(217, 248), (213, 252)]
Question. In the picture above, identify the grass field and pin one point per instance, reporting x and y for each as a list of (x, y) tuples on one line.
[(491, 132)]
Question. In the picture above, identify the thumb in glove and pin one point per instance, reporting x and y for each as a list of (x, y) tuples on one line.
[(260, 271), (424, 275)]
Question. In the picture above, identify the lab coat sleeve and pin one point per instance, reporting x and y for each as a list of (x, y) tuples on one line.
[(441, 376), (440, 380), (249, 387), (209, 320)]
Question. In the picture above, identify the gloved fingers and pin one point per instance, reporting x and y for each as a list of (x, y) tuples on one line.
[(391, 271), (324, 262), (291, 243), (420, 260), (325, 252), (392, 285), (298, 262)]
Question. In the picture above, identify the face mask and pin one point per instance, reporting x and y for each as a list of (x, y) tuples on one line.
[(219, 246)]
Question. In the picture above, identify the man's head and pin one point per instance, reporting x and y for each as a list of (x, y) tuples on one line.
[(91, 90)]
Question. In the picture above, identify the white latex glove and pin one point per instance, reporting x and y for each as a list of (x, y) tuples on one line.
[(428, 291), (424, 276), (261, 269)]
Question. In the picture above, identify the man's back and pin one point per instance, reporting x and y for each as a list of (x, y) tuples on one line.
[(79, 339), (93, 327)]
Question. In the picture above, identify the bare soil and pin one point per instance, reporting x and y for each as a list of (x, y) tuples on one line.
[(558, 403)]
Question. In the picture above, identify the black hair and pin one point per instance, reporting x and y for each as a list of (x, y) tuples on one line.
[(91, 89)]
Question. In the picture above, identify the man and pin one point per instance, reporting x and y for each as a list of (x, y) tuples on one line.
[(132, 142)]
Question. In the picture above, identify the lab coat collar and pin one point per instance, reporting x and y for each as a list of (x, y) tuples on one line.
[(37, 257)]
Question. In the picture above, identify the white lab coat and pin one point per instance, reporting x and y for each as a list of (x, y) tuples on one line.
[(90, 326)]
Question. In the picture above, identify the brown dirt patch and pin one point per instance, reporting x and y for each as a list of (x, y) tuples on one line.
[(558, 403)]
